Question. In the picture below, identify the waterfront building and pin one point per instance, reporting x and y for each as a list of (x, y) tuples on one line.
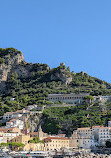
[(82, 138), (104, 135), (56, 143), (34, 147)]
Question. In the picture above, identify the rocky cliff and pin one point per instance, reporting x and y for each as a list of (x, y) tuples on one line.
[(12, 61), (31, 83)]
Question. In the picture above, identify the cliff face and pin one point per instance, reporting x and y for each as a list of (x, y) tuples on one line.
[(8, 66), (13, 62), (61, 75)]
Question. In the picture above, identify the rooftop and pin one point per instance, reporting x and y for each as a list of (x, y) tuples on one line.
[(64, 138), (33, 133), (84, 128), (73, 94)]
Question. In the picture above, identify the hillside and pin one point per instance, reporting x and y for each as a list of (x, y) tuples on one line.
[(31, 83), (67, 119)]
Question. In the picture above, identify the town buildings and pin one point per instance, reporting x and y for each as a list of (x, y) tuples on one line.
[(85, 137), (9, 133)]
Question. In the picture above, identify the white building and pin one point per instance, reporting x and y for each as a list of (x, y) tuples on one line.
[(104, 135), (14, 115), (88, 142), (82, 138), (7, 136), (12, 99), (2, 140), (85, 131), (95, 131), (109, 123), (102, 99), (15, 123), (87, 136), (30, 107), (67, 98), (11, 115), (8, 115)]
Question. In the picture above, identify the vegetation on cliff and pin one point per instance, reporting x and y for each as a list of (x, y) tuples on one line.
[(67, 119), (31, 83)]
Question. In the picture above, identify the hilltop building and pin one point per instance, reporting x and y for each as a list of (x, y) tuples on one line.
[(102, 99), (67, 98)]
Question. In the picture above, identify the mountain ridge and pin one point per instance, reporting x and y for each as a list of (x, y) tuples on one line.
[(31, 83)]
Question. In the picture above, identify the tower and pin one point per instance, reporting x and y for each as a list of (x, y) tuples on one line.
[(40, 133)]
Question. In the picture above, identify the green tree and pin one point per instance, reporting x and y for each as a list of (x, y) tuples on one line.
[(68, 68), (108, 144), (89, 98)]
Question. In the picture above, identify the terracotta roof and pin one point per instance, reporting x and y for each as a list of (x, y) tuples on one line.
[(100, 127), (8, 112), (97, 126), (64, 138), (12, 120), (18, 111), (106, 127), (16, 137), (33, 133), (5, 129), (84, 128)]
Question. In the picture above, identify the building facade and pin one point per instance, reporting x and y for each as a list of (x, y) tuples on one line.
[(15, 123), (67, 98), (56, 143)]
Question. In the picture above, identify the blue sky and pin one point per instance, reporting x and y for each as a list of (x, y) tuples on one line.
[(76, 32)]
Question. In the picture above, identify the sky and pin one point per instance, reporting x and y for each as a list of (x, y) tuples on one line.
[(75, 32)]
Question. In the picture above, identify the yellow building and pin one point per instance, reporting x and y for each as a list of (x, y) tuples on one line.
[(56, 143), (15, 130), (9, 133), (34, 147), (22, 139)]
